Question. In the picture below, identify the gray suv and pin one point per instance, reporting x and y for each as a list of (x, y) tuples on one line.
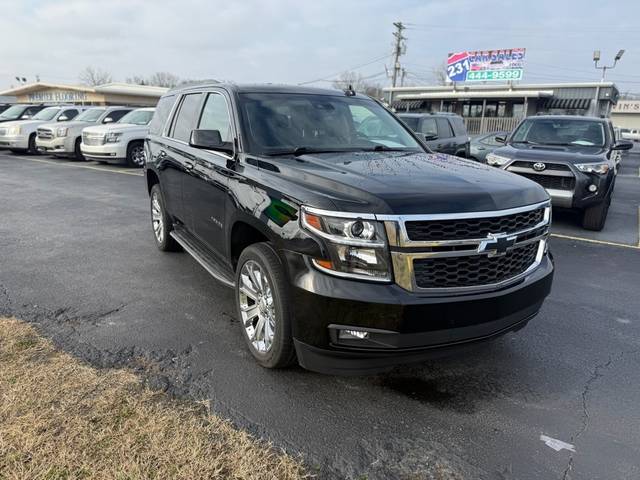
[(442, 132)]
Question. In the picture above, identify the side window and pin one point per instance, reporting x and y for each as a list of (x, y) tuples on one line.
[(444, 129), (458, 127), (116, 115), (163, 109), (428, 127), (186, 118), (215, 116), (70, 114), (31, 111)]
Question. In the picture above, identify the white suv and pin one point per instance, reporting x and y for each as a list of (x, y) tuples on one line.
[(20, 135), (118, 142), (65, 140)]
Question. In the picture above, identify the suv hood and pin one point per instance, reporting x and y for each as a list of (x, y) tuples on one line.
[(406, 183), (70, 125), (22, 123), (574, 154), (117, 127)]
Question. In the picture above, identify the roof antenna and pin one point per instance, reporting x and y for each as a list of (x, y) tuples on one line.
[(350, 92)]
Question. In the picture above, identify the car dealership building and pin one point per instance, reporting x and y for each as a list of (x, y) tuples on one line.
[(486, 107), (107, 94)]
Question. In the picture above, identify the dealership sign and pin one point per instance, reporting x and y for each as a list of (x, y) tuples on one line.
[(58, 96), (486, 65)]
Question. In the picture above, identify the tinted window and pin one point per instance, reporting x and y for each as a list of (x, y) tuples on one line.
[(163, 109), (215, 116), (411, 122), (444, 129), (429, 127), (560, 131), (70, 114), (46, 114), (458, 126), (137, 117), (186, 118), (116, 115), (91, 115), (31, 111)]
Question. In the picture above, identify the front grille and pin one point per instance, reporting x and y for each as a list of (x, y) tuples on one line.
[(465, 229), (551, 181), (45, 134), (92, 139), (473, 270), (557, 167)]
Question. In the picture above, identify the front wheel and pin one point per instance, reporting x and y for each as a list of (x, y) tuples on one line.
[(135, 154), (262, 306), (32, 148), (595, 217), (77, 151)]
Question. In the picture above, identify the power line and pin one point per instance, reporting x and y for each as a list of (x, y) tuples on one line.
[(324, 78)]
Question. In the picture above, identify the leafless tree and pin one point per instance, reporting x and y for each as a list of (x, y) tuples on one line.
[(359, 83), (158, 79), (94, 76), (439, 74)]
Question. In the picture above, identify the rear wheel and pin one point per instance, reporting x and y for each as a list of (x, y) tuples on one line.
[(262, 306), (161, 222), (135, 154), (595, 217)]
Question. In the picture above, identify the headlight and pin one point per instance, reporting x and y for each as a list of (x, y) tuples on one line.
[(599, 168), (112, 137), (62, 132), (13, 131), (357, 247), (497, 160)]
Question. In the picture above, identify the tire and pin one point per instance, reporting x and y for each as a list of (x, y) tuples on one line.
[(267, 305), (135, 154), (77, 151), (595, 217), (161, 224), (32, 149)]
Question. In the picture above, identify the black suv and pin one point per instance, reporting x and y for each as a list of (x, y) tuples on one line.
[(443, 132), (575, 158), (348, 251), (20, 112)]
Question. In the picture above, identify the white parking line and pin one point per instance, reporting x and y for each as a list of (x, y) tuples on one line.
[(90, 167), (593, 240)]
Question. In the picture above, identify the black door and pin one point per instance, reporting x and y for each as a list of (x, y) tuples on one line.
[(206, 186), (172, 154)]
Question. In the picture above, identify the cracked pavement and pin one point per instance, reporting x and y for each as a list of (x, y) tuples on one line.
[(77, 260)]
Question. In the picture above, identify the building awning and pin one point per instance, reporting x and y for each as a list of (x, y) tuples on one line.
[(567, 103), (462, 94), (402, 105)]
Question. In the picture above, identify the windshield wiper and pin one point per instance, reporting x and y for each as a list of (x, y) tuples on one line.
[(296, 152), (526, 142), (384, 148)]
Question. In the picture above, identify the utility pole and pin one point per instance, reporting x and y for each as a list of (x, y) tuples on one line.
[(404, 74), (399, 49), (604, 68)]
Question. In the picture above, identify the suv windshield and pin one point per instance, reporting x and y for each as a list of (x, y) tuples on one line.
[(280, 123), (137, 117), (46, 114), (12, 113), (560, 131), (91, 115)]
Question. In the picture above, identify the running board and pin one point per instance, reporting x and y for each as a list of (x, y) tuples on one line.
[(194, 248)]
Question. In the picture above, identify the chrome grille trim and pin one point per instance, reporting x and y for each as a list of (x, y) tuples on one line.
[(45, 133), (93, 139)]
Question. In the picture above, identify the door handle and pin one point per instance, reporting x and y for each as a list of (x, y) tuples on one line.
[(188, 164)]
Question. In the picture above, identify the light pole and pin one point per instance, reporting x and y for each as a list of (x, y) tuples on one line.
[(604, 68)]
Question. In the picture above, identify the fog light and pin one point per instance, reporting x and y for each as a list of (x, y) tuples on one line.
[(353, 335), (592, 188)]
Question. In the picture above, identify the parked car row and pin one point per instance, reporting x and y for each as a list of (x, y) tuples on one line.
[(103, 134)]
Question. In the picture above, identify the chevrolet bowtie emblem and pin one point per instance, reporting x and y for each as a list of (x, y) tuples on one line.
[(497, 244)]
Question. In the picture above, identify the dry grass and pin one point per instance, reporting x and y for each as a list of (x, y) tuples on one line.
[(62, 419)]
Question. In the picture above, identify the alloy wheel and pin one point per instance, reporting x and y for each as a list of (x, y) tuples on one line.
[(156, 218), (257, 306), (137, 155)]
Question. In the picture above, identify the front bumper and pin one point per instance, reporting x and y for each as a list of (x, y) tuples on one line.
[(14, 142), (109, 152), (402, 326), (56, 145)]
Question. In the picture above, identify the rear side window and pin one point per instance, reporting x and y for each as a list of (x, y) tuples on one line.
[(187, 117), (458, 127), (73, 113), (411, 122), (444, 129), (163, 109), (32, 111)]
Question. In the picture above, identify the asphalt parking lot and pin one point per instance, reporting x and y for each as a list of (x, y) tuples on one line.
[(77, 258)]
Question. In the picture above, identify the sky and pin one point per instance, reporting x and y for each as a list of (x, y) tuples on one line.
[(289, 41)]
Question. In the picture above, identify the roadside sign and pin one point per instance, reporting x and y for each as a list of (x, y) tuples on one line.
[(486, 65)]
